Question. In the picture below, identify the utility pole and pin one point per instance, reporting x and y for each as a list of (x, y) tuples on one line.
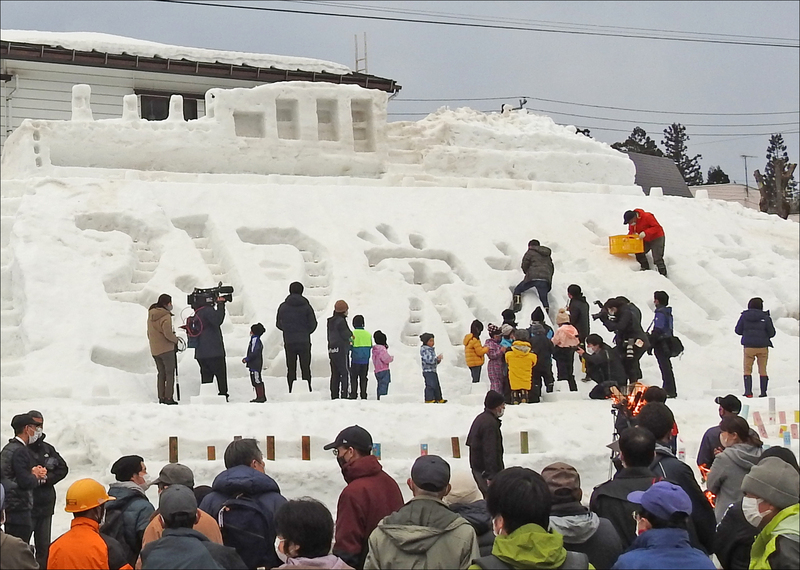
[(361, 59), (746, 184)]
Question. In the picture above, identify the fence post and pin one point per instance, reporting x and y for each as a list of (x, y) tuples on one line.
[(523, 442), (270, 448), (173, 449), (306, 447), (456, 448), (211, 452)]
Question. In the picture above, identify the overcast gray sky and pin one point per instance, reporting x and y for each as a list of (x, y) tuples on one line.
[(450, 62)]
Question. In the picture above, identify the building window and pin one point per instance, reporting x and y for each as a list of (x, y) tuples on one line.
[(155, 106)]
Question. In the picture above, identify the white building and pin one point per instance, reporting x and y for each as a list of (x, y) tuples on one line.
[(38, 70)]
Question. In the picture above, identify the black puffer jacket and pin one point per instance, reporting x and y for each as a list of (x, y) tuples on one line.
[(537, 264), (756, 328), (733, 539), (209, 343), (44, 495), (627, 325), (485, 444), (16, 463), (296, 319), (339, 334), (579, 316), (478, 516)]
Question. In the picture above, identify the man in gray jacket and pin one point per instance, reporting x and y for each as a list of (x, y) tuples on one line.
[(424, 533), (538, 267)]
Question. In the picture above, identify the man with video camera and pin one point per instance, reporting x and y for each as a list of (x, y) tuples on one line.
[(624, 319), (209, 310)]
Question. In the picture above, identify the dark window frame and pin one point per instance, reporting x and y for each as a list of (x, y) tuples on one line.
[(154, 105)]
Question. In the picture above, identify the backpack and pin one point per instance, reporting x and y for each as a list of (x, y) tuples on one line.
[(574, 561), (193, 327), (245, 527), (114, 527), (674, 346)]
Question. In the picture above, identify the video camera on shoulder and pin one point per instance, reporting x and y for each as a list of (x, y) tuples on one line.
[(203, 297)]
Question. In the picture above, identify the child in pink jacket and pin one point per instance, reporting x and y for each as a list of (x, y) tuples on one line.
[(380, 362), (565, 340)]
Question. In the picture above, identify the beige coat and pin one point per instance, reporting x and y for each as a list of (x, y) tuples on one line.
[(159, 331)]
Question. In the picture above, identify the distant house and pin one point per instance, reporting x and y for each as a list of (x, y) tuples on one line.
[(746, 196), (38, 70), (659, 172)]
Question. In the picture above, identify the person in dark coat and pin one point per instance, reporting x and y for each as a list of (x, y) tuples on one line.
[(297, 321), (610, 499), (662, 524), (624, 319), (578, 309), (244, 476), (603, 366), (20, 475), (485, 441), (543, 348), (756, 329), (254, 360), (538, 268), (370, 494), (583, 530), (339, 337), (662, 331), (710, 445), (466, 499), (734, 535), (210, 350), (44, 495), (659, 420), (180, 546), (128, 515)]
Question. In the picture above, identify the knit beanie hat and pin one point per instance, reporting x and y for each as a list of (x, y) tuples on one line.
[(463, 489), (127, 466), (562, 317), (506, 330), (425, 337), (775, 481), (340, 306), (493, 399), (493, 329), (537, 315)]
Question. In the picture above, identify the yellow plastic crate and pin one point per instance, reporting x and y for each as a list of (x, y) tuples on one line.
[(623, 245)]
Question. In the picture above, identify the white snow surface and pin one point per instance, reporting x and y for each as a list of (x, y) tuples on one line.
[(85, 251), (94, 41)]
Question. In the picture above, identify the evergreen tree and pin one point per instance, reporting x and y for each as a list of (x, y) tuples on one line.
[(777, 149), (674, 142), (638, 141), (717, 176)]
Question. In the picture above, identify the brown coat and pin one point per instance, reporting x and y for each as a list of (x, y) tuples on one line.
[(159, 331), (14, 553), (206, 526)]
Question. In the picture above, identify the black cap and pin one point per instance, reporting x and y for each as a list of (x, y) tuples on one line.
[(431, 473), (353, 436), (21, 420), (492, 400), (127, 466), (730, 403), (628, 216)]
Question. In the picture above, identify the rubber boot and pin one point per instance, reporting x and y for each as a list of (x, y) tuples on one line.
[(260, 395), (748, 386), (764, 382)]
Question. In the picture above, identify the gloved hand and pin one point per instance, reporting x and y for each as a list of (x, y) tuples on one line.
[(641, 235)]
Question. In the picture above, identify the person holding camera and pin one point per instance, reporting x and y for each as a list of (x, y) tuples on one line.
[(162, 346), (624, 319), (209, 348)]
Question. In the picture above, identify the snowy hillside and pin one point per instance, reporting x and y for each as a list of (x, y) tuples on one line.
[(427, 245)]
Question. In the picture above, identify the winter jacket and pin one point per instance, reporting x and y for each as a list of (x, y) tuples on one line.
[(585, 532), (627, 326), (330, 561), (727, 473), (428, 357), (296, 319), (478, 516), (520, 360), (530, 546), (668, 467), (473, 351), (370, 495), (15, 554), (610, 499), (485, 442), (579, 314), (205, 525), (756, 328), (362, 346), (536, 328), (541, 346), (255, 351), (381, 358), (16, 462), (159, 331), (424, 533), (209, 343), (495, 353), (662, 323), (734, 538), (82, 547), (136, 513), (776, 546), (44, 495), (663, 548), (648, 224), (566, 336), (537, 264), (605, 366), (261, 488), (710, 442), (339, 334), (187, 548)]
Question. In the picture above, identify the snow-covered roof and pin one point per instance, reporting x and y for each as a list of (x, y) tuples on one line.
[(108, 43)]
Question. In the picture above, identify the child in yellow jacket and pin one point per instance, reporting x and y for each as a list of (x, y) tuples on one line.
[(520, 362), (474, 352)]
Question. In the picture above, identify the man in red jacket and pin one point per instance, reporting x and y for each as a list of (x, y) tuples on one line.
[(370, 495), (645, 225)]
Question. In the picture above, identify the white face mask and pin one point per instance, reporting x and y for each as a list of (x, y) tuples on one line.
[(751, 512), (278, 551), (724, 440), (148, 480), (589, 350), (36, 435)]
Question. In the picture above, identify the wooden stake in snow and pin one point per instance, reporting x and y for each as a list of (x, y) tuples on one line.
[(173, 449), (306, 448), (270, 448), (456, 447), (523, 442), (211, 453)]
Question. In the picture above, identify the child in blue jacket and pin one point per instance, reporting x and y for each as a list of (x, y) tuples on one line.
[(255, 362), (430, 360)]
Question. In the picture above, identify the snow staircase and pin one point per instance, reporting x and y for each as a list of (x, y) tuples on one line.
[(12, 344)]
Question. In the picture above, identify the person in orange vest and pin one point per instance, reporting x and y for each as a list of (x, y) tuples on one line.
[(82, 547), (645, 225)]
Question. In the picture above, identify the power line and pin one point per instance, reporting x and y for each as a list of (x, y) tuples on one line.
[(508, 27), (796, 123)]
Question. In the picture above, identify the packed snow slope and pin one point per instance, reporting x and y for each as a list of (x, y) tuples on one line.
[(85, 251)]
